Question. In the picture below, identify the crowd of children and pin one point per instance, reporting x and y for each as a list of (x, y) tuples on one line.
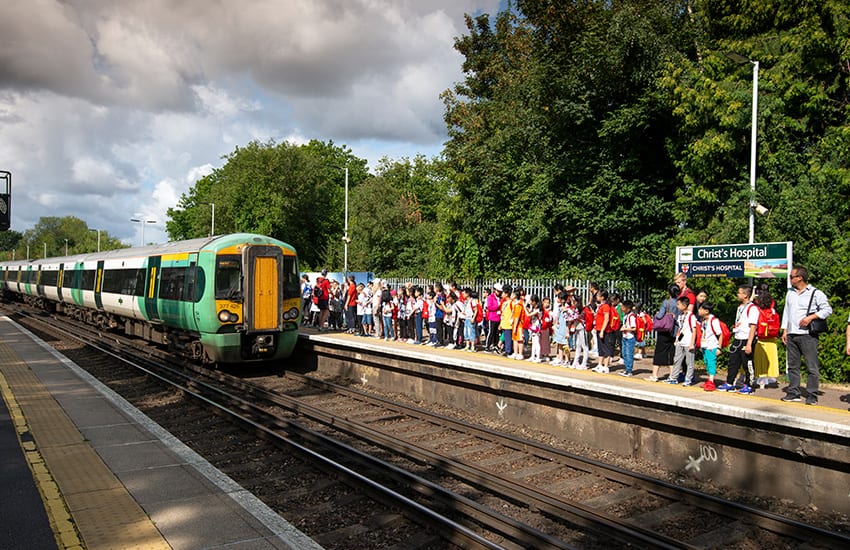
[(564, 331), (508, 321)]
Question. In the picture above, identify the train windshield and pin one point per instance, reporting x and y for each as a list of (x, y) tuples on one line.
[(228, 277), (291, 278)]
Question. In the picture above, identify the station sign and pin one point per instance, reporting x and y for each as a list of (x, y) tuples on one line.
[(759, 260)]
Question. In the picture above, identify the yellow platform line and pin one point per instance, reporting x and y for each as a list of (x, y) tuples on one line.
[(60, 519), (88, 507)]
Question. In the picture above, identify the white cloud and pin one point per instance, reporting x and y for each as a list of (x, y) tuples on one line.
[(108, 106)]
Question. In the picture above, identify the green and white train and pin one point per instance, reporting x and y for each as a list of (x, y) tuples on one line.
[(223, 299)]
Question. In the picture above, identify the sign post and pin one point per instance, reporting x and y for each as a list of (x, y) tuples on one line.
[(758, 260)]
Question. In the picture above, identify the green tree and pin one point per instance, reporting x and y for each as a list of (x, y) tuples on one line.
[(557, 138), (394, 217), (51, 232), (8, 242), (287, 191), (803, 153)]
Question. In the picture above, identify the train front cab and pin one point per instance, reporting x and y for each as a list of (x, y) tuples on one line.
[(256, 304)]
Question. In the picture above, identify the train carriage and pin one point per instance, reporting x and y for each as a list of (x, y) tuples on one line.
[(226, 299)]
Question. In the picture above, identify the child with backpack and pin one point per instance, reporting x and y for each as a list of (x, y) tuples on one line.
[(607, 323), (628, 329), (766, 354), (534, 317), (709, 342), (582, 325), (643, 328), (518, 319), (684, 343), (562, 331), (545, 329)]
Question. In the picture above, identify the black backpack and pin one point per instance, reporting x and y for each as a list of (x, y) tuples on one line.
[(318, 293)]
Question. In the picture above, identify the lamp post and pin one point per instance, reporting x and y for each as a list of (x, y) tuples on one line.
[(753, 137), (66, 247), (98, 238), (45, 250), (345, 238), (139, 221)]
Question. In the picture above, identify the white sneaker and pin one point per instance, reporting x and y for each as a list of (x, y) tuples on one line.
[(621, 361), (581, 367), (450, 346), (638, 356), (600, 369)]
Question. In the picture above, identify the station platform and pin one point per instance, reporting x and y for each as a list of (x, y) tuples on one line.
[(754, 443), (830, 414), (81, 468)]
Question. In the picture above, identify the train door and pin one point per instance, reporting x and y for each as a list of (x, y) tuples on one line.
[(60, 282), (263, 287), (98, 284), (150, 296)]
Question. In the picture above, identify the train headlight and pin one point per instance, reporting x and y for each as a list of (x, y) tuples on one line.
[(291, 314), (227, 316)]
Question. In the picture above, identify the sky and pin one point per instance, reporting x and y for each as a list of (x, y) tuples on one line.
[(111, 109)]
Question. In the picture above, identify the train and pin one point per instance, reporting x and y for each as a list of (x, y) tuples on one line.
[(222, 299)]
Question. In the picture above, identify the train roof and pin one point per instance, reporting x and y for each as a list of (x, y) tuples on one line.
[(174, 247)]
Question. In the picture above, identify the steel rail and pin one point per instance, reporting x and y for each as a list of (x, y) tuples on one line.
[(448, 528), (762, 518)]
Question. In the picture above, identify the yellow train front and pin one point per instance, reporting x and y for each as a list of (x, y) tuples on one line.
[(227, 299)]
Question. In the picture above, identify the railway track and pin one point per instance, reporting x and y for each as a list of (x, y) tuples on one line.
[(473, 486)]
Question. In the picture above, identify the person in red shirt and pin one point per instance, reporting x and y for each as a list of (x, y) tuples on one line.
[(681, 281), (324, 283), (604, 314), (351, 305)]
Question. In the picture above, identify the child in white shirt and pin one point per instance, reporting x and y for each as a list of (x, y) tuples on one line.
[(684, 344)]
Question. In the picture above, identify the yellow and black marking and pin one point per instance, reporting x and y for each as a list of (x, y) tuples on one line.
[(60, 519)]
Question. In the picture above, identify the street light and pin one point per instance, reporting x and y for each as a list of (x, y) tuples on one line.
[(345, 238), (98, 238), (136, 220), (753, 205), (45, 250), (66, 247)]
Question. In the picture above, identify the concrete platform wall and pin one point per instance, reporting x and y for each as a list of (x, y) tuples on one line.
[(728, 446)]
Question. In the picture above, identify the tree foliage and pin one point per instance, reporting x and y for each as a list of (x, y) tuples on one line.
[(291, 192), (50, 233)]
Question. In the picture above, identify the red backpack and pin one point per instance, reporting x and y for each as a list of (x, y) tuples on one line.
[(614, 321), (640, 328), (768, 326), (588, 318), (725, 334), (479, 313)]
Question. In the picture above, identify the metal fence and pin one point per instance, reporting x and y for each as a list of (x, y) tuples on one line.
[(544, 288)]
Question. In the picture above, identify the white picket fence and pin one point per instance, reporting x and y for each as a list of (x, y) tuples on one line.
[(542, 287)]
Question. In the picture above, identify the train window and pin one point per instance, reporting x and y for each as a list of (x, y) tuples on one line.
[(228, 277), (49, 278), (194, 289), (171, 282), (291, 278), (129, 282), (87, 280)]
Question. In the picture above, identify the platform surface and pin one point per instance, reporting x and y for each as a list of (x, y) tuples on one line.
[(106, 475)]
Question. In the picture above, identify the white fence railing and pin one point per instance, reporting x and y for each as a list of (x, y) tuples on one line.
[(542, 287)]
